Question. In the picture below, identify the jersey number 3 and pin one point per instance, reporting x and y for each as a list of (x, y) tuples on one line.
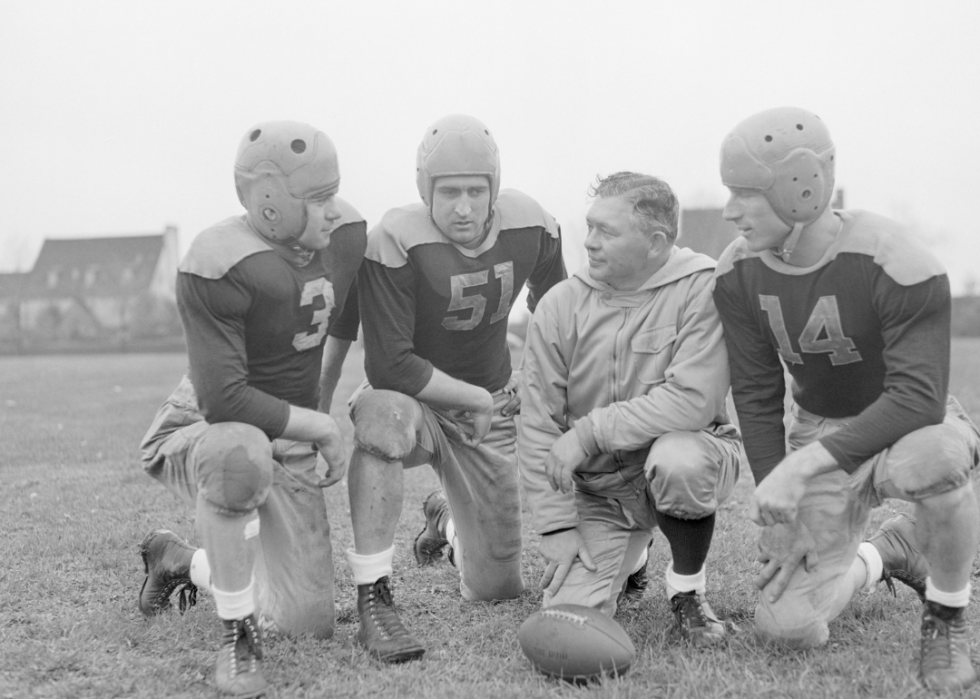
[(823, 333), (316, 288), (478, 302)]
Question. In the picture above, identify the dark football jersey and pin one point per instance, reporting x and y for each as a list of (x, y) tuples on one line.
[(864, 334), (426, 302), (256, 324)]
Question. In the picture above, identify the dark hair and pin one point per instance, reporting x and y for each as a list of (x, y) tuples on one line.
[(655, 206)]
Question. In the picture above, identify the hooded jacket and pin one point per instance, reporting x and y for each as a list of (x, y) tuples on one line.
[(621, 368)]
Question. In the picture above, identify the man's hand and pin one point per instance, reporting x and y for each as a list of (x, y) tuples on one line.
[(777, 497), (472, 425), (332, 451), (513, 389), (782, 547), (565, 457), (469, 408), (336, 467), (560, 550), (307, 425)]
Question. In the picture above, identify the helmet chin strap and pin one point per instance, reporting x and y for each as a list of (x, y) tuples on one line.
[(785, 251)]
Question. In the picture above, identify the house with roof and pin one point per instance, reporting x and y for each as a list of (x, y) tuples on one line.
[(10, 286), (96, 292)]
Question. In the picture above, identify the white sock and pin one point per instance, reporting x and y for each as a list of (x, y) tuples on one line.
[(451, 536), (641, 564), (949, 599), (872, 561), (235, 605), (369, 568), (677, 583), (201, 570)]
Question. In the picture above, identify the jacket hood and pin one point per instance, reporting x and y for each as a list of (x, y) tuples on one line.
[(682, 262)]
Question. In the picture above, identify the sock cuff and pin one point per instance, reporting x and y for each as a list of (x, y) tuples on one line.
[(235, 605), (451, 533), (948, 599), (872, 560), (677, 583), (201, 570), (642, 562), (368, 568)]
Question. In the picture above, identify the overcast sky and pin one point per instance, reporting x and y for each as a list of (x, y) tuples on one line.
[(122, 117)]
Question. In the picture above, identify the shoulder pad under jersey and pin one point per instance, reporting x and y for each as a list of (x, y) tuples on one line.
[(405, 227), (904, 257), (400, 230), (518, 210), (217, 249)]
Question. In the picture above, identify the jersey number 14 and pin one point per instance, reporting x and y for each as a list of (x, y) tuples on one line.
[(823, 333)]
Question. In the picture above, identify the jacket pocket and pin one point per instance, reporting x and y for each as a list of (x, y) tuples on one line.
[(652, 352)]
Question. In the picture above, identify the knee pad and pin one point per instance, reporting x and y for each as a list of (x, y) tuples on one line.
[(234, 470), (385, 424), (930, 461)]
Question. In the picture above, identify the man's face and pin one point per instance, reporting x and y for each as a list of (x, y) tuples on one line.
[(460, 208), (755, 218), (620, 253), (321, 218)]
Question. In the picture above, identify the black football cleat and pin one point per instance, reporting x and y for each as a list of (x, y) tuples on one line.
[(432, 540), (944, 662), (902, 561), (238, 670), (167, 564), (382, 632), (696, 621)]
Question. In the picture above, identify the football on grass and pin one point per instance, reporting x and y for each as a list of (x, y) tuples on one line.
[(575, 643)]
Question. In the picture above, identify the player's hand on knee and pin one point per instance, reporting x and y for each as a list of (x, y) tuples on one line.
[(513, 390), (782, 548), (563, 460), (336, 468), (473, 423), (561, 549), (332, 451), (776, 498)]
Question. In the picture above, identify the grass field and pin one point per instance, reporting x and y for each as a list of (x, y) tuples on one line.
[(74, 505)]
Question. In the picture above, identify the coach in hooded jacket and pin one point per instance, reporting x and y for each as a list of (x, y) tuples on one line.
[(624, 426)]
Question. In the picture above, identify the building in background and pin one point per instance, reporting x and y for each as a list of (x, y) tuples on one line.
[(94, 294), (705, 231)]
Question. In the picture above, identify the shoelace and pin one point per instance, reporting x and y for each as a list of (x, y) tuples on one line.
[(186, 598), (936, 654), (908, 579), (689, 607), (246, 629), (386, 615)]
